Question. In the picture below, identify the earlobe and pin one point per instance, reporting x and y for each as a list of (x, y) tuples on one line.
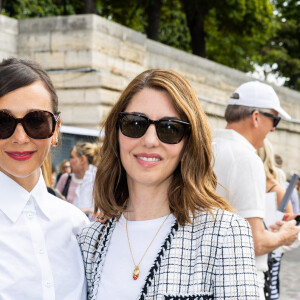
[(54, 141)]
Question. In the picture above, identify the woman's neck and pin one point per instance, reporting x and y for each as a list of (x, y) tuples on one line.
[(147, 203), (81, 172)]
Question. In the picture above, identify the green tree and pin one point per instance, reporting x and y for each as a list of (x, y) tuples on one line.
[(21, 9), (282, 52), (231, 31)]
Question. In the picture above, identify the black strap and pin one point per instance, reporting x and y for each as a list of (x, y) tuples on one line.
[(67, 185), (271, 188)]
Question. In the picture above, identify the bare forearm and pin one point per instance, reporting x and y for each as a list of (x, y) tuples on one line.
[(266, 242)]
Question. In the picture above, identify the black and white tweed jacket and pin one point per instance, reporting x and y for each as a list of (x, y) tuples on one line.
[(212, 258)]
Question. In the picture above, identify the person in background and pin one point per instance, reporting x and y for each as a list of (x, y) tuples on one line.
[(77, 187), (294, 199), (253, 111), (168, 234), (86, 156), (63, 167), (281, 177), (274, 192), (40, 257)]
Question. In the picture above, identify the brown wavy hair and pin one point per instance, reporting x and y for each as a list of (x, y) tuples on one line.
[(194, 182)]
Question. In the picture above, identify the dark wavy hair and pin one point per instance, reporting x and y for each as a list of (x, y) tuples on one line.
[(194, 182)]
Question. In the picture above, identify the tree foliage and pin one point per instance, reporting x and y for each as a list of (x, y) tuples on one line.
[(21, 9), (282, 52), (236, 33)]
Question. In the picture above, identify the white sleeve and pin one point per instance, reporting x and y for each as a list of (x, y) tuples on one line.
[(247, 185)]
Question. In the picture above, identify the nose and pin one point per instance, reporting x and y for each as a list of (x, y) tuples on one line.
[(20, 136), (150, 138)]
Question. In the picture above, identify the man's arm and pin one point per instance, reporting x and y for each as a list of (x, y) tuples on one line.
[(266, 241)]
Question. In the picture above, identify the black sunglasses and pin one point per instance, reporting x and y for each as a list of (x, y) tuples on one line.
[(169, 131), (38, 124), (276, 119)]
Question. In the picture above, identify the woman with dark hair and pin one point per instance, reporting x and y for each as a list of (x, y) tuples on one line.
[(40, 257), (168, 234)]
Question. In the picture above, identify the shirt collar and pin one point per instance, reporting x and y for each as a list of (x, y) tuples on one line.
[(14, 197), (233, 135)]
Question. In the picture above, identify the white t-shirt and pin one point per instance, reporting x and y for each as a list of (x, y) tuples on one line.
[(40, 257), (84, 190), (116, 280)]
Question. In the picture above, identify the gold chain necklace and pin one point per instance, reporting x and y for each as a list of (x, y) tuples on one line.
[(136, 271)]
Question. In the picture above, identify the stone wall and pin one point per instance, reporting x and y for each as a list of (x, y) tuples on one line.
[(91, 60), (8, 37)]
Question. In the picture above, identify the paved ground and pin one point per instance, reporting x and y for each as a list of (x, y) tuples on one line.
[(290, 276)]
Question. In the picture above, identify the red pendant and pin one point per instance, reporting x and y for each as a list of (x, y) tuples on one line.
[(136, 273)]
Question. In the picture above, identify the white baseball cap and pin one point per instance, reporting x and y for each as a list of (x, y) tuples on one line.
[(257, 94)]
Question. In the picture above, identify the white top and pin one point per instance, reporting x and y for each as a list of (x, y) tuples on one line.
[(40, 257), (84, 191), (241, 172), (116, 278)]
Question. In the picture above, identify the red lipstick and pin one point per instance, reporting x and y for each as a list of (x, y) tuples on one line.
[(20, 156)]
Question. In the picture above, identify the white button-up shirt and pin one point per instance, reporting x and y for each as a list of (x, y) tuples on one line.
[(39, 254), (241, 172)]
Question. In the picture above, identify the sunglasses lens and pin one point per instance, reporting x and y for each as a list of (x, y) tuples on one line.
[(7, 125), (39, 124), (170, 132), (133, 126), (276, 122)]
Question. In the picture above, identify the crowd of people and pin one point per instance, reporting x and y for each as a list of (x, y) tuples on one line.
[(163, 209)]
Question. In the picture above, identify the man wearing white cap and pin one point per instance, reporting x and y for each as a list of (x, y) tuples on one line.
[(253, 111)]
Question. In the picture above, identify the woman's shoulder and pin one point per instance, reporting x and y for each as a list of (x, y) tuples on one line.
[(220, 219), (62, 180), (90, 233)]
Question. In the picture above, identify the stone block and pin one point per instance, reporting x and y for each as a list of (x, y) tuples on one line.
[(27, 55), (71, 96), (105, 44), (63, 80), (9, 25), (50, 60), (60, 23), (116, 30), (84, 115), (132, 52), (34, 42), (78, 59), (71, 40), (101, 96), (87, 96), (8, 42)]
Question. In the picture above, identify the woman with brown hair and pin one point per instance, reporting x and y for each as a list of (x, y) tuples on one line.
[(169, 236)]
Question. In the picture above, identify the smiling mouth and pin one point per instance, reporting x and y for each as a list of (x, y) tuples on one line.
[(21, 155), (148, 158)]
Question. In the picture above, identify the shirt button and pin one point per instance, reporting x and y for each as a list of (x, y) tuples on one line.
[(48, 284), (30, 215), (41, 251)]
